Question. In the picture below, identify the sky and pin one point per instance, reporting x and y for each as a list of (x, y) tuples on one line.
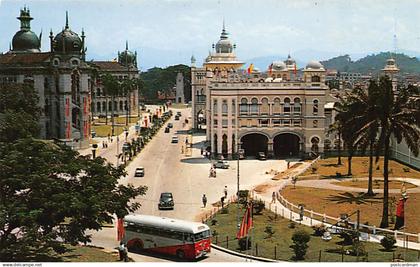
[(168, 32)]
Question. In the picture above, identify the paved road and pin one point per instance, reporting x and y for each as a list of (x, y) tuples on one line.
[(168, 170)]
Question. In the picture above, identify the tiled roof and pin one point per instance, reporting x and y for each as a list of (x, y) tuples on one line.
[(110, 65), (24, 58)]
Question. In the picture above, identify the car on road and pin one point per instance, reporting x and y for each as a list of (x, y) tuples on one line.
[(167, 129), (174, 139), (261, 156), (170, 125), (176, 117), (221, 164), (241, 153), (166, 201), (178, 113), (139, 172)]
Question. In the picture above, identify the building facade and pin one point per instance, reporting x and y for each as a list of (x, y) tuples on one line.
[(61, 78), (280, 112), (124, 104)]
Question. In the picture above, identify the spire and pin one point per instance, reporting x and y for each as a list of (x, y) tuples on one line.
[(224, 33), (25, 19), (126, 45), (67, 20)]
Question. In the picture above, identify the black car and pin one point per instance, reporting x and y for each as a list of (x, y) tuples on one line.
[(166, 201), (170, 125), (176, 117), (167, 129), (261, 156)]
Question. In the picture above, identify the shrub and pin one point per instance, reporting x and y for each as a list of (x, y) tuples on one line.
[(258, 205), (213, 221), (269, 231), (358, 248), (292, 225), (300, 239), (243, 197), (301, 236), (388, 242), (215, 233), (319, 230), (348, 237), (242, 243), (224, 211)]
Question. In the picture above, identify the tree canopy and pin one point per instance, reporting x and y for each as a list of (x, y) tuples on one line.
[(50, 193)]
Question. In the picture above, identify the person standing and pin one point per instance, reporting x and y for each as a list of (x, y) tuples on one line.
[(273, 197), (225, 191), (222, 201), (204, 199)]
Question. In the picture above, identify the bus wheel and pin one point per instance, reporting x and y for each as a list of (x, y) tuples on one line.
[(137, 246), (180, 254)]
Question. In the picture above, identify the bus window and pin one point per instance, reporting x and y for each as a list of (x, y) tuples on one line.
[(188, 237), (201, 235)]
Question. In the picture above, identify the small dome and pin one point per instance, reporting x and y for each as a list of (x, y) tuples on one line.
[(289, 61), (67, 41), (25, 41), (315, 65), (279, 65), (127, 57), (224, 45)]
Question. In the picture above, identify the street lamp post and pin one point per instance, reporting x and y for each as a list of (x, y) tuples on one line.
[(126, 134), (94, 147)]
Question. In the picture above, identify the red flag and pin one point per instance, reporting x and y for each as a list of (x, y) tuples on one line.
[(295, 70), (399, 222), (246, 223), (250, 68), (120, 229), (270, 69), (400, 208)]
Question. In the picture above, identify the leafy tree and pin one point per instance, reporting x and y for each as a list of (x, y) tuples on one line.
[(111, 88), (300, 239), (388, 242), (19, 112), (337, 128), (50, 193)]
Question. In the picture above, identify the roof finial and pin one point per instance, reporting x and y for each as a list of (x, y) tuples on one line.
[(126, 44), (223, 23), (67, 19)]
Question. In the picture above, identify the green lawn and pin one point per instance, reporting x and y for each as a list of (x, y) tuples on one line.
[(89, 254), (104, 130), (226, 226)]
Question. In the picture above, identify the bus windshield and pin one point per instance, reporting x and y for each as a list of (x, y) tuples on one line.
[(201, 235)]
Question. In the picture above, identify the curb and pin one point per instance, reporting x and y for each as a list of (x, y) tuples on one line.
[(234, 253)]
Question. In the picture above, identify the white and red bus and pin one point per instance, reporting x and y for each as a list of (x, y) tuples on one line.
[(189, 240)]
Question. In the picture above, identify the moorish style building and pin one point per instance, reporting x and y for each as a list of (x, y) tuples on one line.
[(280, 112), (61, 77), (123, 68)]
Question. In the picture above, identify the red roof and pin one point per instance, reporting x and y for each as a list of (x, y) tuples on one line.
[(110, 65), (24, 58)]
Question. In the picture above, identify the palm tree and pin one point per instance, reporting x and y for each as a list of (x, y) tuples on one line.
[(399, 117), (127, 86), (337, 128)]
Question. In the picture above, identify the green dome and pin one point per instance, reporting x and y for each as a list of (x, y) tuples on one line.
[(67, 41), (26, 41), (127, 57)]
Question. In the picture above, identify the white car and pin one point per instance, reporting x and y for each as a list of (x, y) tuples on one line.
[(174, 139), (221, 164), (139, 172)]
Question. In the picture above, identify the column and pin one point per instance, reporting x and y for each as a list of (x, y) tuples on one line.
[(270, 150)]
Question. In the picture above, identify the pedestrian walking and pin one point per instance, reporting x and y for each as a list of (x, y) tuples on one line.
[(204, 199), (109, 137), (103, 144), (122, 252), (301, 212), (222, 201), (225, 191), (273, 197)]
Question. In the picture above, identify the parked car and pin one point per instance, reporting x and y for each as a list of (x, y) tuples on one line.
[(178, 113), (176, 117), (261, 156), (170, 125), (166, 201), (221, 164), (174, 139), (139, 172), (167, 129)]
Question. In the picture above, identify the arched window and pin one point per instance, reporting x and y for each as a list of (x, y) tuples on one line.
[(224, 107), (276, 106), (98, 91), (315, 79), (254, 106), (121, 105), (75, 86), (215, 144), (315, 143), (244, 106), (103, 106), (296, 106), (125, 105), (315, 107), (265, 108), (287, 105), (215, 106), (233, 106), (315, 123), (109, 106), (98, 106)]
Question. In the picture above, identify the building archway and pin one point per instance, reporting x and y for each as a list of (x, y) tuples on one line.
[(224, 146), (215, 144), (286, 145), (253, 143)]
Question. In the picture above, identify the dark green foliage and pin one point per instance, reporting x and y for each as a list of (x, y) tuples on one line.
[(319, 230), (372, 63), (300, 239), (19, 112), (158, 79), (224, 210), (292, 225), (349, 237), (269, 231), (388, 242), (213, 221), (358, 248), (243, 244), (49, 192), (243, 197), (259, 206)]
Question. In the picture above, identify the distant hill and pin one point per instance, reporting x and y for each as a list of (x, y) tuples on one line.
[(372, 63), (164, 79)]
